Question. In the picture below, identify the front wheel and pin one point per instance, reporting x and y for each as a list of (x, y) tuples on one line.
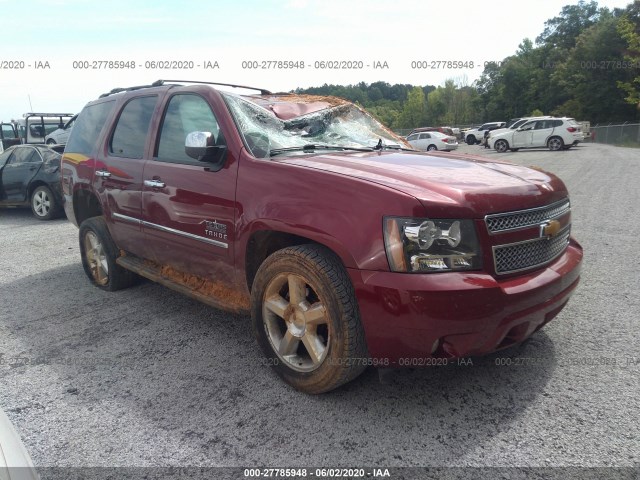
[(99, 254), (471, 140), (501, 146), (43, 204), (431, 148), (555, 144), (306, 319)]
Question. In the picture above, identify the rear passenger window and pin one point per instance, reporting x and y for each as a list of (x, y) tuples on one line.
[(185, 113), (130, 134), (23, 155), (88, 127)]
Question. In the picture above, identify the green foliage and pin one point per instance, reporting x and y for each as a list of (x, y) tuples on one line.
[(629, 30), (577, 68), (413, 112), (585, 64)]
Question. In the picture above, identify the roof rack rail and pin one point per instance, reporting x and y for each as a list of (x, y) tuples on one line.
[(160, 83), (44, 114), (261, 90)]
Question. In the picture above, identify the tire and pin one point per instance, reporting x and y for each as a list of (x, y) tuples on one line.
[(471, 140), (501, 146), (51, 141), (323, 314), (555, 144), (44, 205), (99, 253), (431, 148)]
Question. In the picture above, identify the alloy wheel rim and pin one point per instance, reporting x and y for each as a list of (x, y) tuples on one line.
[(41, 203), (96, 258), (296, 323)]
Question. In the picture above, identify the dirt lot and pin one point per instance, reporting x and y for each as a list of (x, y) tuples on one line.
[(146, 377)]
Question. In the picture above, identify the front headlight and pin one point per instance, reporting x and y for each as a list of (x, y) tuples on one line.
[(422, 245)]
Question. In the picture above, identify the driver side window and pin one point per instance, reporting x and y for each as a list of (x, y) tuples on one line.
[(185, 113)]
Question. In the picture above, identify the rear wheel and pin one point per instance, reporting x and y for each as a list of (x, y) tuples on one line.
[(306, 320), (555, 144), (501, 146), (430, 148), (99, 254), (51, 141), (43, 204), (471, 140)]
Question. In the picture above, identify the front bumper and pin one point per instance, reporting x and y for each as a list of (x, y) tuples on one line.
[(459, 314)]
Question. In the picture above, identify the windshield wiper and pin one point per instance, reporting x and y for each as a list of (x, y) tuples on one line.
[(311, 147), (393, 146)]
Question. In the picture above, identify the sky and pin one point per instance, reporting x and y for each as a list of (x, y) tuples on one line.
[(63, 37)]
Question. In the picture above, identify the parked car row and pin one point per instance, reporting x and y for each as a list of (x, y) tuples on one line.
[(37, 128)]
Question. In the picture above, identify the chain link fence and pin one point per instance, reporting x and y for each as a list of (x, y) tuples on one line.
[(625, 134)]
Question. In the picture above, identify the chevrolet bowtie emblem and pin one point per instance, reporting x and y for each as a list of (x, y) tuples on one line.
[(549, 229)]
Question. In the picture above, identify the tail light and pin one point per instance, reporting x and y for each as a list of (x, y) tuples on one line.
[(572, 129), (445, 140)]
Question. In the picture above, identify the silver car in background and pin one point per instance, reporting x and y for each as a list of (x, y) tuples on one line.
[(429, 141)]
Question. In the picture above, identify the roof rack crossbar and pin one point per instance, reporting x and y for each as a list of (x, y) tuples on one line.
[(44, 114), (158, 83)]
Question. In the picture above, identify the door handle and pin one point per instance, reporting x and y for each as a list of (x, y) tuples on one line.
[(154, 184), (103, 173)]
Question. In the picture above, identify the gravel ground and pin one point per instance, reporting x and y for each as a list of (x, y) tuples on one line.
[(147, 377)]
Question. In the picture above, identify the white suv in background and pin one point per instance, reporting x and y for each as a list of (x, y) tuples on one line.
[(61, 135), (475, 135), (554, 133), (516, 123)]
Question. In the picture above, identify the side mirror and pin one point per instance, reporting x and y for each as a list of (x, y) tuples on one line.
[(200, 145)]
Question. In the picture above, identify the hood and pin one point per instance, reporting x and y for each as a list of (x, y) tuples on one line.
[(456, 185), (498, 131), (507, 134)]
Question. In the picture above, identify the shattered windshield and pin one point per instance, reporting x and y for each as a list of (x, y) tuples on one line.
[(341, 127)]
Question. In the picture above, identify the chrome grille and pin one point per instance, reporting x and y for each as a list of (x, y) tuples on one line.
[(501, 222), (529, 254)]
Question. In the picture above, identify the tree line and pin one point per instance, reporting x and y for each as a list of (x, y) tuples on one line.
[(585, 64)]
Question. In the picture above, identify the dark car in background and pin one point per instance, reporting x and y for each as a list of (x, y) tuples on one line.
[(30, 176)]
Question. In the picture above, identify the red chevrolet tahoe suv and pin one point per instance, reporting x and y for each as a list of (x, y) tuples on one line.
[(347, 248)]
